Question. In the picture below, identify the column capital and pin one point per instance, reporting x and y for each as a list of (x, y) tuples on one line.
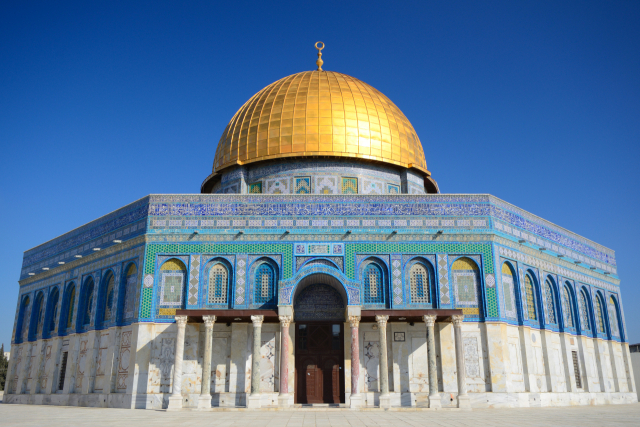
[(209, 321), (457, 319), (285, 321), (181, 320), (354, 321), (257, 321), (382, 320), (429, 319)]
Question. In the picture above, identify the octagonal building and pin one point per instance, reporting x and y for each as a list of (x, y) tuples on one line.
[(320, 264)]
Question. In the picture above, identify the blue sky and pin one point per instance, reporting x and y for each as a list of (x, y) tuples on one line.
[(537, 103)]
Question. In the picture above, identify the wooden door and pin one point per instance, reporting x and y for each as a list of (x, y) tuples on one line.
[(319, 357)]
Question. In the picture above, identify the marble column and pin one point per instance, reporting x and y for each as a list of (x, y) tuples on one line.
[(356, 397), (283, 397), (434, 396), (175, 399), (253, 401), (385, 397), (204, 401), (463, 397)]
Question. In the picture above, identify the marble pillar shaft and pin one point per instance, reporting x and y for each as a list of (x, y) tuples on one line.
[(355, 355), (457, 330), (431, 354), (284, 354), (181, 322), (209, 321), (255, 360), (384, 364)]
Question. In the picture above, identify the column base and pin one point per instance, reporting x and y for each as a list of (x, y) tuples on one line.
[(283, 401), (204, 401), (355, 401), (464, 402), (385, 401), (434, 401), (175, 403), (253, 401)]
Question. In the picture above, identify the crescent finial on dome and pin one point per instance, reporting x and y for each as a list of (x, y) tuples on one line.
[(319, 62)]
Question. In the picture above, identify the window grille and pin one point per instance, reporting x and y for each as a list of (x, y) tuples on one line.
[(63, 370), (567, 307), (420, 284), (255, 188), (349, 185), (576, 369), (584, 314), (531, 302), (302, 185), (599, 316), (373, 290), (551, 307), (218, 284), (264, 284), (613, 317)]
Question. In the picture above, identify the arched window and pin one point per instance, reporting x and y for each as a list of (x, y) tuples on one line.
[(70, 301), (531, 297), (109, 294), (584, 311), (172, 282), (466, 280), (420, 282), (130, 290), (567, 307), (87, 305), (218, 284), (599, 315), (22, 317), (508, 288), (613, 317), (373, 284), (54, 305), (550, 299), (37, 317), (264, 284)]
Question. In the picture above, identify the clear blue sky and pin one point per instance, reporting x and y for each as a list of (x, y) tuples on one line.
[(537, 103)]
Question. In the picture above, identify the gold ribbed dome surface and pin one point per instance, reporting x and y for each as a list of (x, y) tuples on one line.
[(319, 113)]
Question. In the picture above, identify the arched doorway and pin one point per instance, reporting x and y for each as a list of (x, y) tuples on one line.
[(318, 309)]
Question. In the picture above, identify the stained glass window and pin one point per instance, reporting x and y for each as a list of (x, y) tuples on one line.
[(420, 284), (218, 284), (264, 284), (530, 294), (613, 317), (599, 315), (373, 289), (584, 312), (302, 185), (551, 306), (255, 188), (567, 307)]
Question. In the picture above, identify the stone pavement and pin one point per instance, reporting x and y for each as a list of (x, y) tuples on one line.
[(579, 416)]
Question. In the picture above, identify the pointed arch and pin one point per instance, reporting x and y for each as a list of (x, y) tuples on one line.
[(22, 317), (53, 308), (531, 296), (421, 279), (108, 309), (585, 309), (374, 278), (85, 316), (509, 285), (218, 273), (550, 301), (568, 306), (265, 281), (129, 291), (465, 274), (600, 322), (172, 283), (66, 320), (614, 317), (37, 317)]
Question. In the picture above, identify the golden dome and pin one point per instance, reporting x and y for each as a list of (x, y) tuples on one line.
[(319, 113)]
